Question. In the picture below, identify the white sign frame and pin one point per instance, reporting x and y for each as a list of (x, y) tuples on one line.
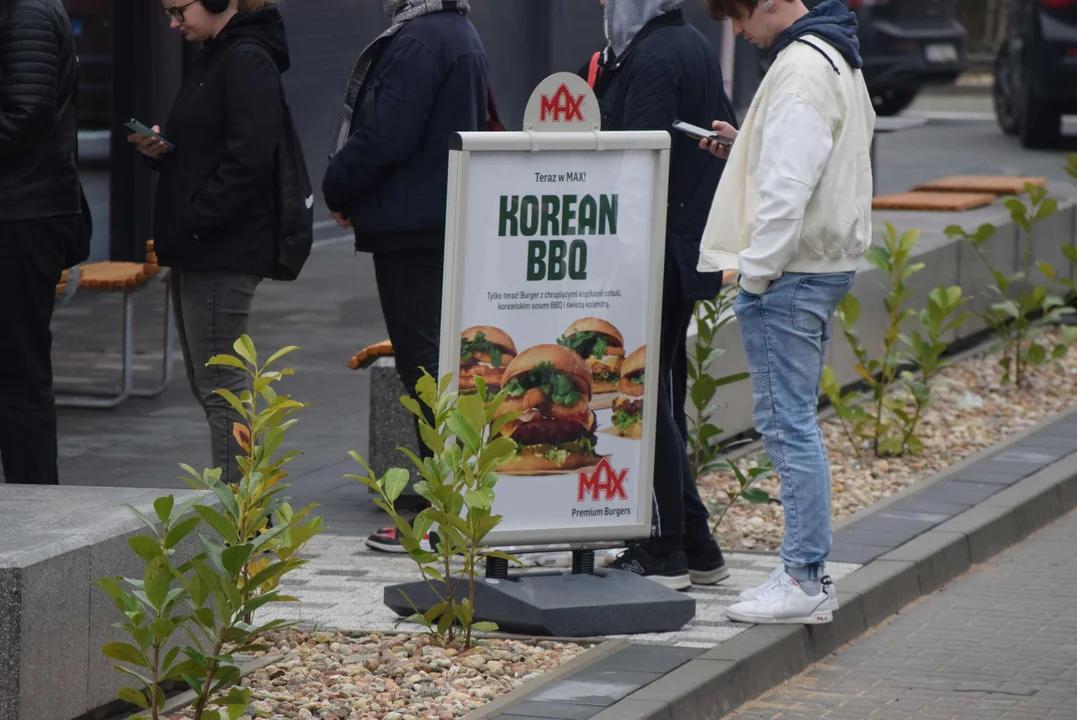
[(462, 146)]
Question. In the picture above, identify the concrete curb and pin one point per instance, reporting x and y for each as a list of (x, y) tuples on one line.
[(533, 687), (765, 656)]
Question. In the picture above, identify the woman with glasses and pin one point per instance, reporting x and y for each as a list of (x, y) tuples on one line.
[(213, 224)]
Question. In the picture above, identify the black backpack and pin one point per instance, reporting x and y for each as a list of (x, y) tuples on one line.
[(294, 196)]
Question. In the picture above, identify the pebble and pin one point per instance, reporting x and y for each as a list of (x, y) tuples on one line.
[(354, 676), (970, 412)]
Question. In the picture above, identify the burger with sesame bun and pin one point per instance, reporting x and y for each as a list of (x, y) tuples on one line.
[(628, 407), (550, 386), (485, 352), (601, 346)]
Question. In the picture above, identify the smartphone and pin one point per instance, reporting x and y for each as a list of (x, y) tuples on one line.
[(134, 126), (699, 133)]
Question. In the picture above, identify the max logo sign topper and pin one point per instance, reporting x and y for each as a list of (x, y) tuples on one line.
[(562, 107), (563, 102), (604, 483)]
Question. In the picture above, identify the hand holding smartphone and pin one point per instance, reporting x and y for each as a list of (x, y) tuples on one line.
[(149, 141), (698, 133)]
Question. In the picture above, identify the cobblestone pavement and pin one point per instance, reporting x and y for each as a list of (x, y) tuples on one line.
[(1000, 642)]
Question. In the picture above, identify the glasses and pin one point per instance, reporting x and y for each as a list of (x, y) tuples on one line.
[(177, 13)]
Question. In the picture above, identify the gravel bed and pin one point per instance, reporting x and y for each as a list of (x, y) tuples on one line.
[(970, 413), (354, 676)]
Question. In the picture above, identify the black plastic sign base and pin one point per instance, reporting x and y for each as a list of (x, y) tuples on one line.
[(608, 602)]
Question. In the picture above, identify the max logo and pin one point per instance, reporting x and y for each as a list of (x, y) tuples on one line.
[(562, 106), (604, 480)]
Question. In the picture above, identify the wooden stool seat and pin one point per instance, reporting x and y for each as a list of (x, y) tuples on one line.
[(366, 357)]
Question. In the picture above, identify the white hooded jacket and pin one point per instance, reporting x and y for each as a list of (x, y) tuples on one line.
[(797, 188)]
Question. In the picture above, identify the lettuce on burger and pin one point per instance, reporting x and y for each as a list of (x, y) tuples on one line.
[(551, 387), (601, 346), (628, 407), (484, 351)]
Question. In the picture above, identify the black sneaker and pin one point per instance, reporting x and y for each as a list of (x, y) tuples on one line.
[(706, 566), (670, 570), (388, 540)]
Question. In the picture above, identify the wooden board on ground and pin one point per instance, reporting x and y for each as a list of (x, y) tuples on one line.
[(935, 201), (994, 184)]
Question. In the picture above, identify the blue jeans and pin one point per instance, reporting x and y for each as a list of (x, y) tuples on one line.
[(785, 332)]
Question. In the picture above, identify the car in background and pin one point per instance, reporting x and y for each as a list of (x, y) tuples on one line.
[(1036, 71), (907, 45)]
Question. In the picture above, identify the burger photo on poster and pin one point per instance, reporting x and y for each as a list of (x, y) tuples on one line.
[(601, 346), (628, 407), (551, 387), (485, 351)]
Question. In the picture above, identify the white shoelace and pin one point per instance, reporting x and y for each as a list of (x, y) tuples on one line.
[(774, 577)]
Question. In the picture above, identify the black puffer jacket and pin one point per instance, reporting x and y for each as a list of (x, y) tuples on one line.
[(38, 120), (214, 209), (670, 72)]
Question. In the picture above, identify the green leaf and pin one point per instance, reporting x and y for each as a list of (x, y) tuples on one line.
[(157, 581), (279, 354), (849, 308), (233, 401), (134, 697), (222, 525), (730, 379), (227, 497), (145, 520), (702, 391), (180, 531), (228, 360), (394, 483), (474, 412), (244, 347), (877, 256), (755, 496), (234, 558), (124, 652), (485, 626), (146, 548), (163, 507)]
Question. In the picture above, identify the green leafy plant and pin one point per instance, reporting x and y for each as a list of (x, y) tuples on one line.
[(706, 452), (458, 481), (888, 422), (213, 598), (745, 488), (1023, 310)]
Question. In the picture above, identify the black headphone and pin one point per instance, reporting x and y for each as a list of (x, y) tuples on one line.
[(215, 6)]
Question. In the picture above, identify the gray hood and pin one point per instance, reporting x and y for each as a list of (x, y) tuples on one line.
[(625, 18)]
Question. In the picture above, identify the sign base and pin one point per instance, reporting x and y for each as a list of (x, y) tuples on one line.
[(557, 604)]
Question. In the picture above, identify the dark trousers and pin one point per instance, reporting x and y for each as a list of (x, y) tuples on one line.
[(32, 257), (409, 286), (679, 510)]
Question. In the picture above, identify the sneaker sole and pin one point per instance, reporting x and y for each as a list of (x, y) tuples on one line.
[(708, 577), (673, 582), (821, 617), (395, 549)]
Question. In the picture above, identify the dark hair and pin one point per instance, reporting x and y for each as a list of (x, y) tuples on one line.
[(728, 9)]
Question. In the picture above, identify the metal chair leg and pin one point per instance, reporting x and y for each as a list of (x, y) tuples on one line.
[(169, 346), (105, 398)]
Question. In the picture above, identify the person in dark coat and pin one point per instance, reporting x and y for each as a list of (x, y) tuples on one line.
[(213, 222), (40, 223), (656, 69), (419, 83)]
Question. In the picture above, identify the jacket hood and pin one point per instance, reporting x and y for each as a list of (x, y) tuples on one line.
[(265, 26), (625, 18), (404, 10), (831, 21)]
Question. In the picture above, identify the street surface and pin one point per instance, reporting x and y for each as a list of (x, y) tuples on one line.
[(332, 311), (998, 643)]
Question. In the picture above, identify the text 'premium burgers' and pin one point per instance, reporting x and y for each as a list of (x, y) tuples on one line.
[(484, 351), (551, 387), (628, 407), (601, 346)]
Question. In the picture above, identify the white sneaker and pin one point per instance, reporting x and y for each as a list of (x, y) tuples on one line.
[(784, 602), (753, 593)]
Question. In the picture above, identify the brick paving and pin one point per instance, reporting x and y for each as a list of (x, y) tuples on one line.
[(998, 643)]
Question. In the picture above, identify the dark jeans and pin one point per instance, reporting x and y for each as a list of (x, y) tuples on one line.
[(32, 258), (212, 311), (409, 286), (679, 510)]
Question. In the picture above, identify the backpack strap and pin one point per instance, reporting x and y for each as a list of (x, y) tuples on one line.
[(595, 69), (821, 51)]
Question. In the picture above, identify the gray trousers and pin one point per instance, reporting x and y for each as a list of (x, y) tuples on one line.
[(212, 311)]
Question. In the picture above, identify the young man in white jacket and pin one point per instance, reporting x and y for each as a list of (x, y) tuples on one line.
[(792, 214)]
